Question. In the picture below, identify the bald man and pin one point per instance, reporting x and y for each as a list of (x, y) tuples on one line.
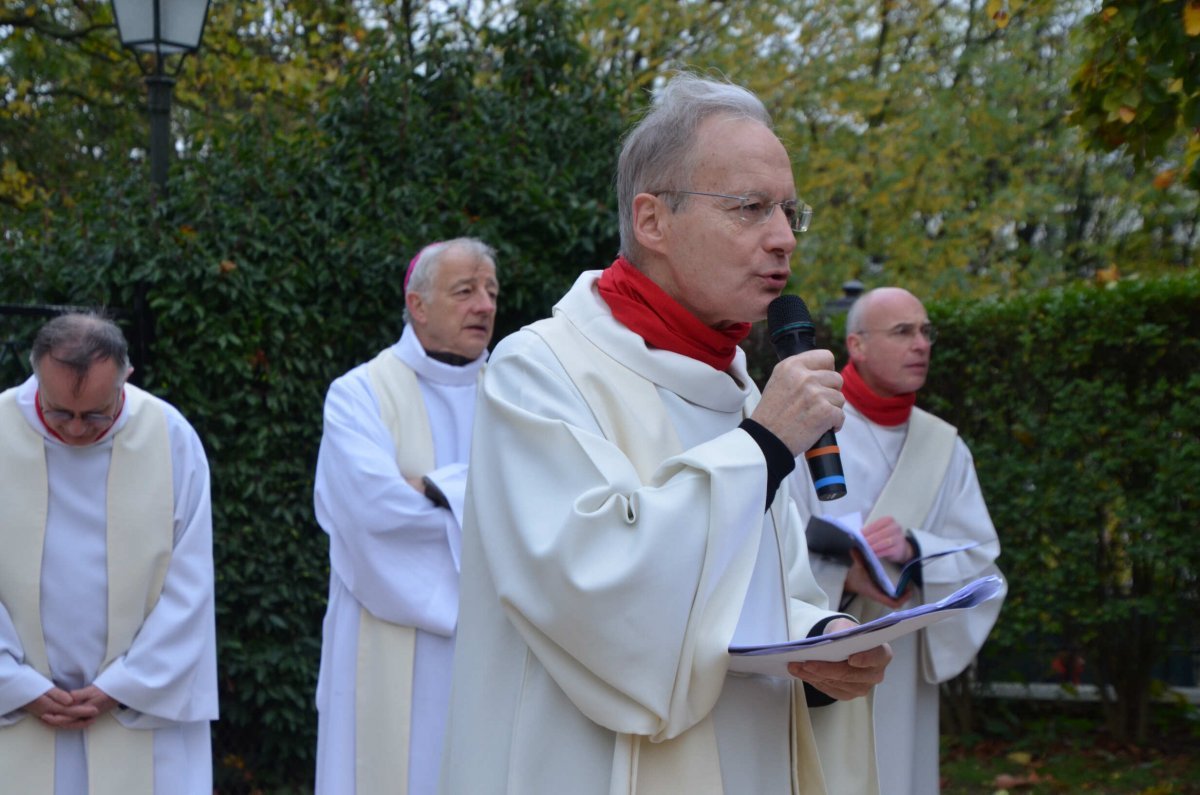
[(912, 481)]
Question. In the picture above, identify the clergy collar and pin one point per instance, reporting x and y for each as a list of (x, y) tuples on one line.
[(429, 367), (452, 359)]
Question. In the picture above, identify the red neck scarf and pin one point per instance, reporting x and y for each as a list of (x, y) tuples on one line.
[(878, 409), (647, 310)]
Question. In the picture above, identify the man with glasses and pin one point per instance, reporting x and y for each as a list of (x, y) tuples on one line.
[(628, 517), (911, 482), (107, 632), (391, 473)]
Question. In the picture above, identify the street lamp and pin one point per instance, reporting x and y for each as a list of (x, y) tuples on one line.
[(161, 29)]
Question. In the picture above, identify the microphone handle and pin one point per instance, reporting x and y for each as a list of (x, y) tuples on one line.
[(825, 466)]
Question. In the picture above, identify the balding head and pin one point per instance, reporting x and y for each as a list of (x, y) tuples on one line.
[(888, 340), (78, 340)]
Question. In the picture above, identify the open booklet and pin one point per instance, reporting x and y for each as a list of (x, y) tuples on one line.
[(836, 536), (771, 659)]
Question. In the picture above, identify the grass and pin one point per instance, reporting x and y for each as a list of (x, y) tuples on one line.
[(1039, 748)]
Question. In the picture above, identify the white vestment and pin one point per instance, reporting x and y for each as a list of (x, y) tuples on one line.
[(166, 680), (601, 588), (393, 553), (906, 703)]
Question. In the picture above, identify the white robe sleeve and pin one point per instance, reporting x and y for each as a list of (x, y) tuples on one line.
[(609, 581), (19, 683), (169, 672), (959, 516), (390, 545)]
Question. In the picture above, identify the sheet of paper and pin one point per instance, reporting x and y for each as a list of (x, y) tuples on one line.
[(772, 659)]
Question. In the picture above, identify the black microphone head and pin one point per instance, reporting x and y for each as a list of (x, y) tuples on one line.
[(788, 314)]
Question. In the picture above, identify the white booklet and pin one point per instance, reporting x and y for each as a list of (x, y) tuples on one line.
[(830, 535), (772, 659)]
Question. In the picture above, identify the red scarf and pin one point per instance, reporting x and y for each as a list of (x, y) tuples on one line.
[(647, 310), (878, 409)]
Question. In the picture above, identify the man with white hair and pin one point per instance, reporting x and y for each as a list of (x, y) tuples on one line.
[(108, 663), (389, 492), (628, 516)]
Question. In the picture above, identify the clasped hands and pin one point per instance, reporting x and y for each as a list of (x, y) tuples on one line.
[(76, 709)]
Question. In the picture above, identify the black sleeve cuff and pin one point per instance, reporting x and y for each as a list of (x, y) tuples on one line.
[(812, 696), (780, 461), (916, 575), (435, 494)]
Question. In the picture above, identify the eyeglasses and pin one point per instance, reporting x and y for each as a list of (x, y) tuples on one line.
[(906, 332), (92, 419), (758, 210)]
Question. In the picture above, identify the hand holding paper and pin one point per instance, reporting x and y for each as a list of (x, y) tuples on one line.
[(772, 659), (837, 536)]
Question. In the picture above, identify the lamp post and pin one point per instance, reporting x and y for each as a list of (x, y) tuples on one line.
[(161, 29)]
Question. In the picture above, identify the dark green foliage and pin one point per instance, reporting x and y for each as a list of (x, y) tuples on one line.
[(276, 265), (1082, 409)]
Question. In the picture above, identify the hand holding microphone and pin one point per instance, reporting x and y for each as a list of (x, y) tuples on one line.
[(809, 388)]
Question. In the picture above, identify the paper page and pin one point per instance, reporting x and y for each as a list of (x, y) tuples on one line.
[(772, 659)]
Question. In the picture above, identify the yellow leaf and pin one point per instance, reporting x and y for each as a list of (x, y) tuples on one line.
[(997, 11), (1020, 757), (1127, 114), (1191, 17), (1108, 13), (1175, 86)]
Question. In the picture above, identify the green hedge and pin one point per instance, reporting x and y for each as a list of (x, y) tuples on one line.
[(1082, 408)]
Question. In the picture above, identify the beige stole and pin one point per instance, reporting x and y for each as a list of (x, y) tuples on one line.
[(386, 651), (140, 537), (914, 484), (631, 415)]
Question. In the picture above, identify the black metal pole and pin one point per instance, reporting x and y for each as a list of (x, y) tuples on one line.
[(160, 87)]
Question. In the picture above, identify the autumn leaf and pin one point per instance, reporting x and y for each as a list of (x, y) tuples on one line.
[(1108, 275), (997, 11), (1191, 17), (1127, 114), (1164, 179)]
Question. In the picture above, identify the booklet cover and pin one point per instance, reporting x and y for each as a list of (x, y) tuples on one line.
[(836, 536)]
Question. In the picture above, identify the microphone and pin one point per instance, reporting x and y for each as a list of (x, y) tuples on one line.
[(791, 330)]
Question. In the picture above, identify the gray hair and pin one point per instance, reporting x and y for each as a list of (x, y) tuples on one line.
[(854, 317), (78, 340), (426, 267), (658, 151)]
